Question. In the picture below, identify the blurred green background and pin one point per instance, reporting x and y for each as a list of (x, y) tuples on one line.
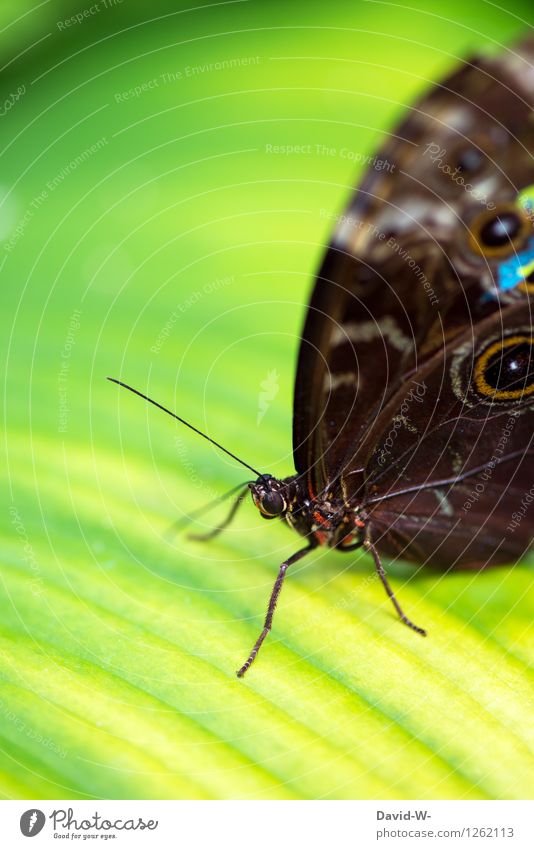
[(150, 232)]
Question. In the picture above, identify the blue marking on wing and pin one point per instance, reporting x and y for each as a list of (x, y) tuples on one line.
[(512, 271)]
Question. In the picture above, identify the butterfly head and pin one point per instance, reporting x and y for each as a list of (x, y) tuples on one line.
[(270, 496)]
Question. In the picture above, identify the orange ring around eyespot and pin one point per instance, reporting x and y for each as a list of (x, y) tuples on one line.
[(481, 383), (504, 250)]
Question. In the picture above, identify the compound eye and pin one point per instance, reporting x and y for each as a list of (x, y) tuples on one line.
[(499, 232), (272, 504)]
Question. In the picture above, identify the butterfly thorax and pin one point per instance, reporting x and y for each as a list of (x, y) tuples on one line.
[(326, 519)]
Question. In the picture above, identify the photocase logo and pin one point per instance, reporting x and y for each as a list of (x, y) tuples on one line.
[(32, 822), (269, 390)]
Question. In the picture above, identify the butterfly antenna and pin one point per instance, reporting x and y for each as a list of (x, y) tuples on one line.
[(183, 421), (191, 517), (218, 529)]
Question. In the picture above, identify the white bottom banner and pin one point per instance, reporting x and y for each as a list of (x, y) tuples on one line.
[(262, 825)]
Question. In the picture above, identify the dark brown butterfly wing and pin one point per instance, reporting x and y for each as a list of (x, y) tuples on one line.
[(401, 276), (450, 465)]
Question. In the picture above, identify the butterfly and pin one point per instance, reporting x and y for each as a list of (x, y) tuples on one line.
[(414, 394)]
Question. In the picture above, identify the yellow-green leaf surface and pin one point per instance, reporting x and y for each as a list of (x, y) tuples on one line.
[(155, 229)]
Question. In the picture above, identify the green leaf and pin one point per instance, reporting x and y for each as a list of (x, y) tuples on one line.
[(178, 253)]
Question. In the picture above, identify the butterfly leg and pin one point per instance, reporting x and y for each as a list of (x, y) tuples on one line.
[(272, 605), (381, 572)]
